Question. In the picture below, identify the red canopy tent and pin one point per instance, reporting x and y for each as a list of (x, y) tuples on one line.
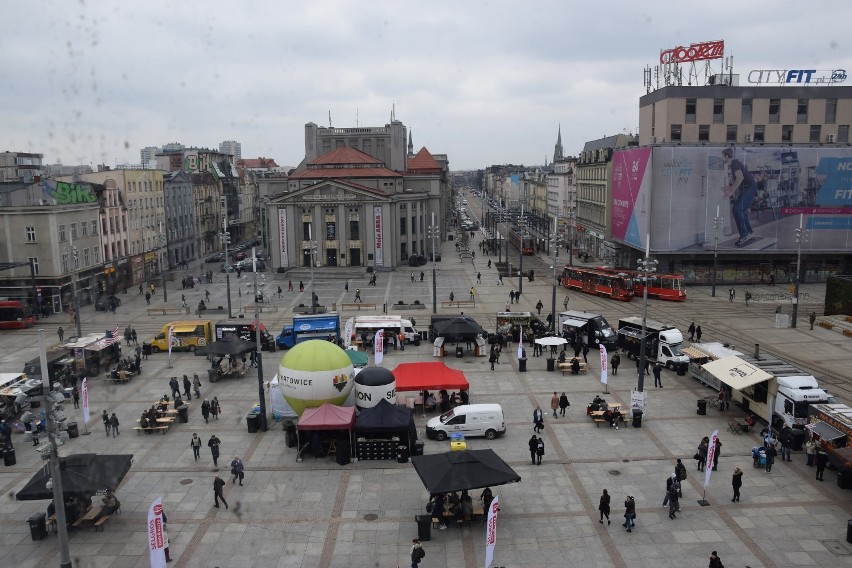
[(326, 417), (428, 375)]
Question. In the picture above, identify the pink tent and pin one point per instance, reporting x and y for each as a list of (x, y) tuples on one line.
[(326, 417)]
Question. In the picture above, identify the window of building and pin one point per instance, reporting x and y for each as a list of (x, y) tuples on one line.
[(306, 231), (690, 111), (34, 261), (367, 147), (354, 231), (403, 229), (759, 133), (73, 230), (774, 111), (62, 236), (745, 117), (816, 132), (830, 111), (84, 229), (787, 133), (843, 133), (718, 111), (731, 133), (85, 257), (330, 230), (96, 254), (64, 262), (414, 225), (802, 111), (703, 132), (31, 234), (675, 133), (403, 251)]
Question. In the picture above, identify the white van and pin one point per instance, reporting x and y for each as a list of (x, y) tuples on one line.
[(371, 324), (470, 419)]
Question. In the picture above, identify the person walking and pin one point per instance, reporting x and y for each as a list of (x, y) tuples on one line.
[(736, 483), (61, 333), (811, 319), (810, 451), (237, 469), (499, 278), (205, 410), (629, 513), (771, 453), (113, 423), (175, 386), (417, 553), (821, 462), (492, 358), (614, 362), (538, 420), (213, 444), (701, 454), (75, 394), (565, 302), (680, 470), (218, 486), (554, 404), (472, 293), (563, 403), (533, 444), (731, 294), (716, 453), (723, 399), (691, 331), (196, 385), (698, 333), (422, 275), (195, 444), (134, 336), (786, 439), (187, 388), (585, 353), (358, 295), (673, 496), (657, 370), (105, 418), (148, 298), (715, 561), (539, 450), (512, 296), (215, 408), (603, 507), (538, 307), (479, 278)]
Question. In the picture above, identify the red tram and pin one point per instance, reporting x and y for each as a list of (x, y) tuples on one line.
[(598, 282), (525, 244), (15, 314), (661, 286)]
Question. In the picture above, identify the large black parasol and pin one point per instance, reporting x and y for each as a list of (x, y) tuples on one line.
[(229, 345), (83, 475), (458, 327), (459, 471)]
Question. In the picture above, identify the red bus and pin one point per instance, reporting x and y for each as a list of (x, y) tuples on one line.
[(598, 282), (15, 314), (525, 244), (662, 286)]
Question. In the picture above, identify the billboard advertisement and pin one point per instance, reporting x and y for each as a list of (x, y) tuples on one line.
[(749, 198)]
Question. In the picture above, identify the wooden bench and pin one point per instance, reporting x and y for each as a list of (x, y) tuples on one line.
[(167, 311), (151, 428), (260, 308), (458, 304), (566, 367), (358, 306), (598, 418)]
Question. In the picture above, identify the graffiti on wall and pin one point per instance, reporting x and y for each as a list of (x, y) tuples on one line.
[(69, 193)]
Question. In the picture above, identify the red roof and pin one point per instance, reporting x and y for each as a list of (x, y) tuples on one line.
[(428, 375), (327, 417), (423, 162), (345, 156), (255, 163)]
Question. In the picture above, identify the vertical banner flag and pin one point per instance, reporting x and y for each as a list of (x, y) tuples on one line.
[(171, 334), (604, 367), (377, 220), (711, 451), (84, 385), (156, 535), (771, 412), (347, 337), (282, 232), (491, 531), (379, 346)]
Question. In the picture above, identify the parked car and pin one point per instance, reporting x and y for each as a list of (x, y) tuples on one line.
[(105, 302), (246, 265), (218, 257), (437, 257), (240, 255), (416, 260)]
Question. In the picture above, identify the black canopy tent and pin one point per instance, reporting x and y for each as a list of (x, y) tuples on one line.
[(387, 419), (460, 471), (463, 327), (228, 345), (83, 475)]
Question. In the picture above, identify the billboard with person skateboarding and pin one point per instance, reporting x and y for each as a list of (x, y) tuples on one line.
[(749, 198)]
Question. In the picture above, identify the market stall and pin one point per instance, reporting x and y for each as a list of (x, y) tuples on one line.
[(381, 430), (329, 429)]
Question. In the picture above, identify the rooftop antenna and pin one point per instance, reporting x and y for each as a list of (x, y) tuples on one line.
[(329, 119), (357, 123)]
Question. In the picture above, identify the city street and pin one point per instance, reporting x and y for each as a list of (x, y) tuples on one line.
[(316, 513)]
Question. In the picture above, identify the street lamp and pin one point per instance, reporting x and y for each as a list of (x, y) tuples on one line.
[(312, 246), (260, 392), (554, 247), (433, 234), (162, 238), (76, 301), (801, 235), (226, 238), (646, 265), (717, 223), (522, 228)]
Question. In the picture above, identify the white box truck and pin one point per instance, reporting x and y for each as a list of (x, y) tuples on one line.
[(663, 342)]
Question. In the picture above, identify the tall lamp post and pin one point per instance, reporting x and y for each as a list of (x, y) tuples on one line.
[(646, 265), (433, 234), (522, 227), (717, 223), (162, 238), (554, 247), (801, 235), (226, 238), (74, 298), (258, 350), (312, 244)]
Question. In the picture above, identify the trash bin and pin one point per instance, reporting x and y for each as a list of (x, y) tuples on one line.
[(73, 431), (402, 454), (146, 348), (702, 407), (38, 526), (849, 531), (418, 448), (424, 527), (212, 375), (183, 414), (844, 480), (253, 423), (290, 434), (681, 369), (9, 457), (551, 364), (522, 365), (637, 418), (799, 436), (459, 351)]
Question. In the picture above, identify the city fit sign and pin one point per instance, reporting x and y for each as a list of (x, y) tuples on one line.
[(796, 77)]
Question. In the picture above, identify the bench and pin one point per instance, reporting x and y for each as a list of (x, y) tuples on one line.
[(358, 306), (151, 429), (260, 308), (598, 418), (167, 311), (566, 368), (458, 303), (118, 379)]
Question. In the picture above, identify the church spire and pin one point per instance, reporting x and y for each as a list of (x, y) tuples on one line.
[(557, 150), (410, 144)]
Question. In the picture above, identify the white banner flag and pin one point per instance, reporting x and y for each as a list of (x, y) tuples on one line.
[(156, 535), (171, 334), (379, 346), (604, 367), (711, 451), (347, 334), (491, 531), (84, 386)]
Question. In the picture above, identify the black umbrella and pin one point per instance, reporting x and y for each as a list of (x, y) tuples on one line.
[(83, 475), (460, 471), (229, 345), (458, 327)]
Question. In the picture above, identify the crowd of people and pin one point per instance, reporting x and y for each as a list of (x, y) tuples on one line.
[(455, 507)]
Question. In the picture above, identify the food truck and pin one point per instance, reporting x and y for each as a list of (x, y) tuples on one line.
[(15, 392), (310, 326), (246, 332), (187, 335), (662, 342), (592, 329), (831, 426)]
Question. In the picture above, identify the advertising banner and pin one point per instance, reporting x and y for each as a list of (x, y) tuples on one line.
[(711, 451), (379, 346), (491, 531), (674, 194), (377, 222), (603, 363), (156, 535), (347, 333), (84, 396), (282, 232)]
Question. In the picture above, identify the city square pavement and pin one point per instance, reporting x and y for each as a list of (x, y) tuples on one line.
[(316, 513)]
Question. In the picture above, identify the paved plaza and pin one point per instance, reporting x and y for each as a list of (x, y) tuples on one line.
[(316, 513)]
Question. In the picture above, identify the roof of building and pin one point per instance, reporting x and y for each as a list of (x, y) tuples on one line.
[(345, 162), (423, 162), (257, 163)]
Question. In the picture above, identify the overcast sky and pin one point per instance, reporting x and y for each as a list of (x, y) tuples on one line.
[(483, 82)]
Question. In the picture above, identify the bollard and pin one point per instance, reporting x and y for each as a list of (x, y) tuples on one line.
[(385, 307), (757, 351)]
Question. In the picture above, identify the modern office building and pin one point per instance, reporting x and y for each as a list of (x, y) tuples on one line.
[(232, 148)]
